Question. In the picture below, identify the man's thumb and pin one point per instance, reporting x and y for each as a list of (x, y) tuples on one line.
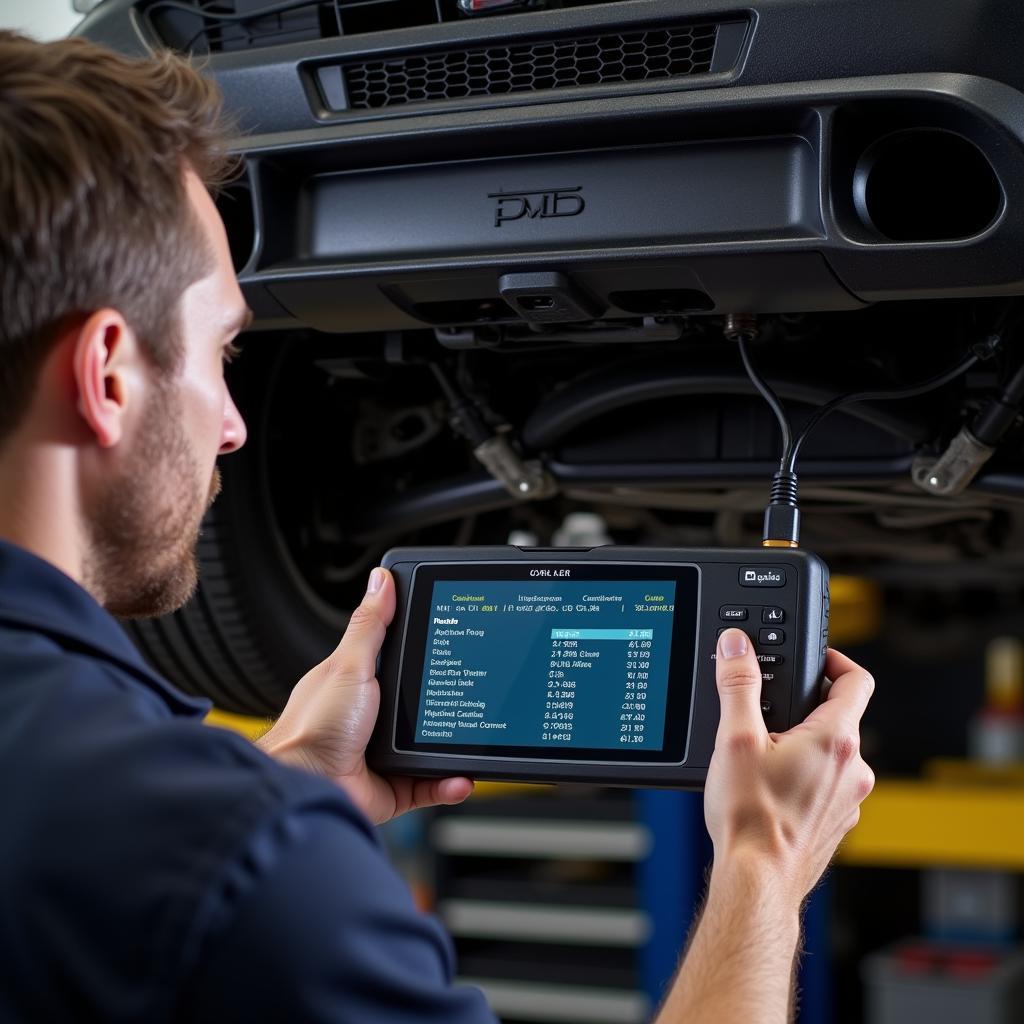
[(378, 604), (738, 674), (357, 652)]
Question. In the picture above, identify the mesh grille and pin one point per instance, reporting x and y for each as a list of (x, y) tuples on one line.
[(490, 71)]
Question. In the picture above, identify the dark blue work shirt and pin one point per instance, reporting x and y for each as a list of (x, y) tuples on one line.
[(155, 869)]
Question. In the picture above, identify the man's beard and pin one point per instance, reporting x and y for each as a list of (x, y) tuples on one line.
[(143, 526)]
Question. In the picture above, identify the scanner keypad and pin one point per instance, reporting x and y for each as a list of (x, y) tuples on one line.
[(767, 636)]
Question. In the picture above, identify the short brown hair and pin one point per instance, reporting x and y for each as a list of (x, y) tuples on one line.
[(93, 210)]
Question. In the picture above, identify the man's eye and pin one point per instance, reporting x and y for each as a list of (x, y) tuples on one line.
[(230, 352)]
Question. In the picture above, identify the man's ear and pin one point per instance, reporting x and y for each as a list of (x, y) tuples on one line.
[(105, 358)]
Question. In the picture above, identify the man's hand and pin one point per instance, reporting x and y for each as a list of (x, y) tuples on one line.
[(785, 799), (777, 806), (330, 714)]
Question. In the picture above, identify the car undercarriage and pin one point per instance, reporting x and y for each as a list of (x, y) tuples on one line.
[(499, 266)]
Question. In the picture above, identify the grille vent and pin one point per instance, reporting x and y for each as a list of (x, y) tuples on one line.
[(528, 67), (217, 26)]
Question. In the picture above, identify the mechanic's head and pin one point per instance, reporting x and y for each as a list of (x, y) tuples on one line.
[(118, 302)]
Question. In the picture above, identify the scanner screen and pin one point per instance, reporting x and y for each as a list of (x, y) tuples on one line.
[(548, 663), (551, 666)]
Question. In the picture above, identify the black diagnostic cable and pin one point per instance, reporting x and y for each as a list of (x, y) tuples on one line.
[(789, 460), (782, 516), (465, 417), (525, 479), (960, 462)]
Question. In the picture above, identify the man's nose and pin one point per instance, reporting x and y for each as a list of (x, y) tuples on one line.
[(233, 432)]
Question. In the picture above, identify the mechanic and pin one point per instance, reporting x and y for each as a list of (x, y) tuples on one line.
[(156, 869)]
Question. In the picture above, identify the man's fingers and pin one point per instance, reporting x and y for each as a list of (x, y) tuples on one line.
[(838, 664), (356, 655), (848, 696), (738, 675), (431, 792)]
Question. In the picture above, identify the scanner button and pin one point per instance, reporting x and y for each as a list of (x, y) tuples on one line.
[(732, 613), (722, 629), (766, 707), (762, 576), (771, 636), (773, 616)]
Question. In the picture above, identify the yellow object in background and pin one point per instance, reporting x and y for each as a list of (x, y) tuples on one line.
[(856, 611), (1004, 674), (918, 823), (995, 734), (250, 727)]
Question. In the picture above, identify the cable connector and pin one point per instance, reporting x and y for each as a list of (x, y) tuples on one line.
[(782, 516), (525, 480), (987, 347), (952, 472)]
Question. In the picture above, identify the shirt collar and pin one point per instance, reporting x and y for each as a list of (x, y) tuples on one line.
[(34, 594)]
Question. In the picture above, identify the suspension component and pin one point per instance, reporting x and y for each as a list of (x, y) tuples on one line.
[(955, 468), (524, 479), (952, 472)]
